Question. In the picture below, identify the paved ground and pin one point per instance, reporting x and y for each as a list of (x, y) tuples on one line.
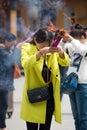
[(15, 123)]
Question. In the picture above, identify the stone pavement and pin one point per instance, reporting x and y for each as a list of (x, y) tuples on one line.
[(15, 123)]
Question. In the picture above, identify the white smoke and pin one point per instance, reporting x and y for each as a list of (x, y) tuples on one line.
[(39, 12)]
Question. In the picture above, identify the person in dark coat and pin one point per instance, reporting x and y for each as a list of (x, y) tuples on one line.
[(7, 60)]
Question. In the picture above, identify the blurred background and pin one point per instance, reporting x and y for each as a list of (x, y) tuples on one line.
[(23, 17)]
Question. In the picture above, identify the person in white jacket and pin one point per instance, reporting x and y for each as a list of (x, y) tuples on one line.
[(77, 48)]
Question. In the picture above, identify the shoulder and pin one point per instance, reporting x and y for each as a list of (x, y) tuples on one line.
[(3, 51), (29, 48), (25, 45), (68, 46), (28, 45), (85, 43)]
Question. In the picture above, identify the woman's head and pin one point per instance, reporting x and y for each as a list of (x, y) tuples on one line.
[(85, 29), (9, 40), (78, 34), (43, 38)]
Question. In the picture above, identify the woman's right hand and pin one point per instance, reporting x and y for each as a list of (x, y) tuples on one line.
[(42, 52), (67, 38)]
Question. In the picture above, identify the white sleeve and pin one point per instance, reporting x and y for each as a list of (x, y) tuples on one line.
[(67, 47), (63, 45), (79, 47)]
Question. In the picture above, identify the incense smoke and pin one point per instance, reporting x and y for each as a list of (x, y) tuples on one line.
[(39, 12)]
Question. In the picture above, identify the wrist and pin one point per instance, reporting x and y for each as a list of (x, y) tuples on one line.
[(41, 53), (61, 54), (38, 55)]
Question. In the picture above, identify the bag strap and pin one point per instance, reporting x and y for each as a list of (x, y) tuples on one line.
[(48, 73), (79, 63)]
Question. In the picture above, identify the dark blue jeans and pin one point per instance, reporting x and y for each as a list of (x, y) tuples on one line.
[(78, 102), (3, 107)]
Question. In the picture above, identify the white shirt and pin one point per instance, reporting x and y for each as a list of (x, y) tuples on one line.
[(76, 49)]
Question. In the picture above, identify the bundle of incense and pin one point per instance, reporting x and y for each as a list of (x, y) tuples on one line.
[(59, 33)]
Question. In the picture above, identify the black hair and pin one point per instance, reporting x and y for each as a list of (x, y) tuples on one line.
[(78, 33), (42, 35), (9, 37), (78, 26), (85, 28)]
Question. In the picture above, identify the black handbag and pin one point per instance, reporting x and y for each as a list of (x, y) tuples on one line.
[(70, 82), (39, 94)]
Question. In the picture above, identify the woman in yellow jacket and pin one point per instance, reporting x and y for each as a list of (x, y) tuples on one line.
[(32, 58)]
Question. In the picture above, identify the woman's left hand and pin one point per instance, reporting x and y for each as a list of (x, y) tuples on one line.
[(46, 50), (58, 49), (55, 49), (52, 50)]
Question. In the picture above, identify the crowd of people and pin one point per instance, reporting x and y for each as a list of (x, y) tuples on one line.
[(38, 57)]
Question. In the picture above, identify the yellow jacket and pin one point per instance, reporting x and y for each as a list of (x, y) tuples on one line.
[(36, 112)]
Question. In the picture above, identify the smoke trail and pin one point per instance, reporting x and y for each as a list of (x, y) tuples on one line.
[(48, 10), (39, 12)]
